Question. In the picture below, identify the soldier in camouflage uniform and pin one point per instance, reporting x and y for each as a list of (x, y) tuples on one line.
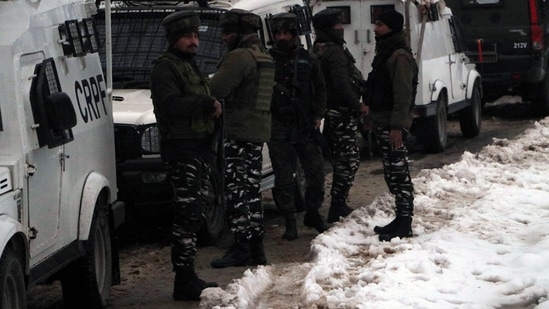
[(185, 112), (390, 95), (298, 106), (343, 82), (244, 79)]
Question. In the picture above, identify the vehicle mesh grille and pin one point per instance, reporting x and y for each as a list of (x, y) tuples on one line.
[(127, 143), (138, 40)]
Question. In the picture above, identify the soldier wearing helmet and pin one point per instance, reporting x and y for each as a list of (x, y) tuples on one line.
[(343, 82), (244, 79), (298, 106), (185, 112)]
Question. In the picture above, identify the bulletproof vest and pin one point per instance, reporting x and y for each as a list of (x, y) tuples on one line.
[(355, 75), (264, 83), (379, 88), (196, 127), (293, 74)]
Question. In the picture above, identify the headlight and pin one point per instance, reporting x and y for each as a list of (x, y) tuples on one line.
[(150, 140)]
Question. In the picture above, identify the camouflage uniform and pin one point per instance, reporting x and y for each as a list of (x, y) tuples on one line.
[(390, 95), (299, 101), (244, 79), (343, 81), (183, 107)]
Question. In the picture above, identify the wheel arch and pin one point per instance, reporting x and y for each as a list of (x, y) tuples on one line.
[(96, 184), (14, 237), (438, 87), (472, 78)]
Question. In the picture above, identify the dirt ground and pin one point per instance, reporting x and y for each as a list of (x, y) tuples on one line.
[(145, 255)]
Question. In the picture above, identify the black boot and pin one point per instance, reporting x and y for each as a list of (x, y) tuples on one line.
[(338, 210), (238, 255), (291, 228), (314, 219), (402, 229), (187, 285), (258, 252), (389, 228)]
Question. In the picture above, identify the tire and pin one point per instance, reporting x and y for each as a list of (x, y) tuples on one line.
[(540, 104), (12, 282), (86, 282), (434, 131), (215, 211), (470, 118)]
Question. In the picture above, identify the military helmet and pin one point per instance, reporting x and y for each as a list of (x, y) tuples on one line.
[(283, 22), (179, 22), (327, 18), (240, 21)]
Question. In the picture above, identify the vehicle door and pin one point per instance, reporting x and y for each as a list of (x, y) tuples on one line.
[(458, 70), (44, 162)]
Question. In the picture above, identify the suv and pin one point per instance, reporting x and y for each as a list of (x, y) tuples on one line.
[(508, 41), (137, 41)]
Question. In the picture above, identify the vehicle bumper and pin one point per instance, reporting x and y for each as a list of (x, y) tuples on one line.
[(143, 184)]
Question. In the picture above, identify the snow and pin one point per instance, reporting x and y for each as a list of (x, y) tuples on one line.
[(481, 240)]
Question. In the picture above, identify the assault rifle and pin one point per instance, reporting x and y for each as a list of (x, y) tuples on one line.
[(317, 136)]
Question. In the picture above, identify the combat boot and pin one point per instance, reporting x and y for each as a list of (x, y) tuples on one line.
[(257, 252), (238, 255), (338, 210), (187, 285), (403, 228), (314, 219), (389, 228), (291, 228)]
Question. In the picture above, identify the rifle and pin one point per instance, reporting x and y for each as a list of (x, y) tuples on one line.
[(317, 136), (217, 146)]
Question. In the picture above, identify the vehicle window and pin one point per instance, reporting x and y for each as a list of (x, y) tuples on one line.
[(457, 35), (138, 40)]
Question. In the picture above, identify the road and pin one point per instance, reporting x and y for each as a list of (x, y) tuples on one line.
[(146, 270)]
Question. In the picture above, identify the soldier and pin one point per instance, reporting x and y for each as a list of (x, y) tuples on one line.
[(343, 83), (390, 94), (298, 106), (244, 79), (185, 112)]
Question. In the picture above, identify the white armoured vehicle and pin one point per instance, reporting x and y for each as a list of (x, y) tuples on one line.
[(58, 195)]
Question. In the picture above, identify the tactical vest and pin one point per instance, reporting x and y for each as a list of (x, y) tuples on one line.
[(266, 76), (293, 81), (248, 109), (379, 88), (195, 127), (355, 75)]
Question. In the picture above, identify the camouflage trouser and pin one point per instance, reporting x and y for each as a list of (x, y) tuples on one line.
[(396, 172), (340, 131), (284, 155), (243, 164), (189, 177)]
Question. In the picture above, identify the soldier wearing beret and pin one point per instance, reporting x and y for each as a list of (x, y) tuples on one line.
[(185, 112)]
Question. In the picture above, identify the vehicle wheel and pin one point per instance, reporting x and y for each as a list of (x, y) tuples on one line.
[(86, 282), (435, 134), (540, 104), (12, 282), (470, 118), (215, 211), (434, 131)]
